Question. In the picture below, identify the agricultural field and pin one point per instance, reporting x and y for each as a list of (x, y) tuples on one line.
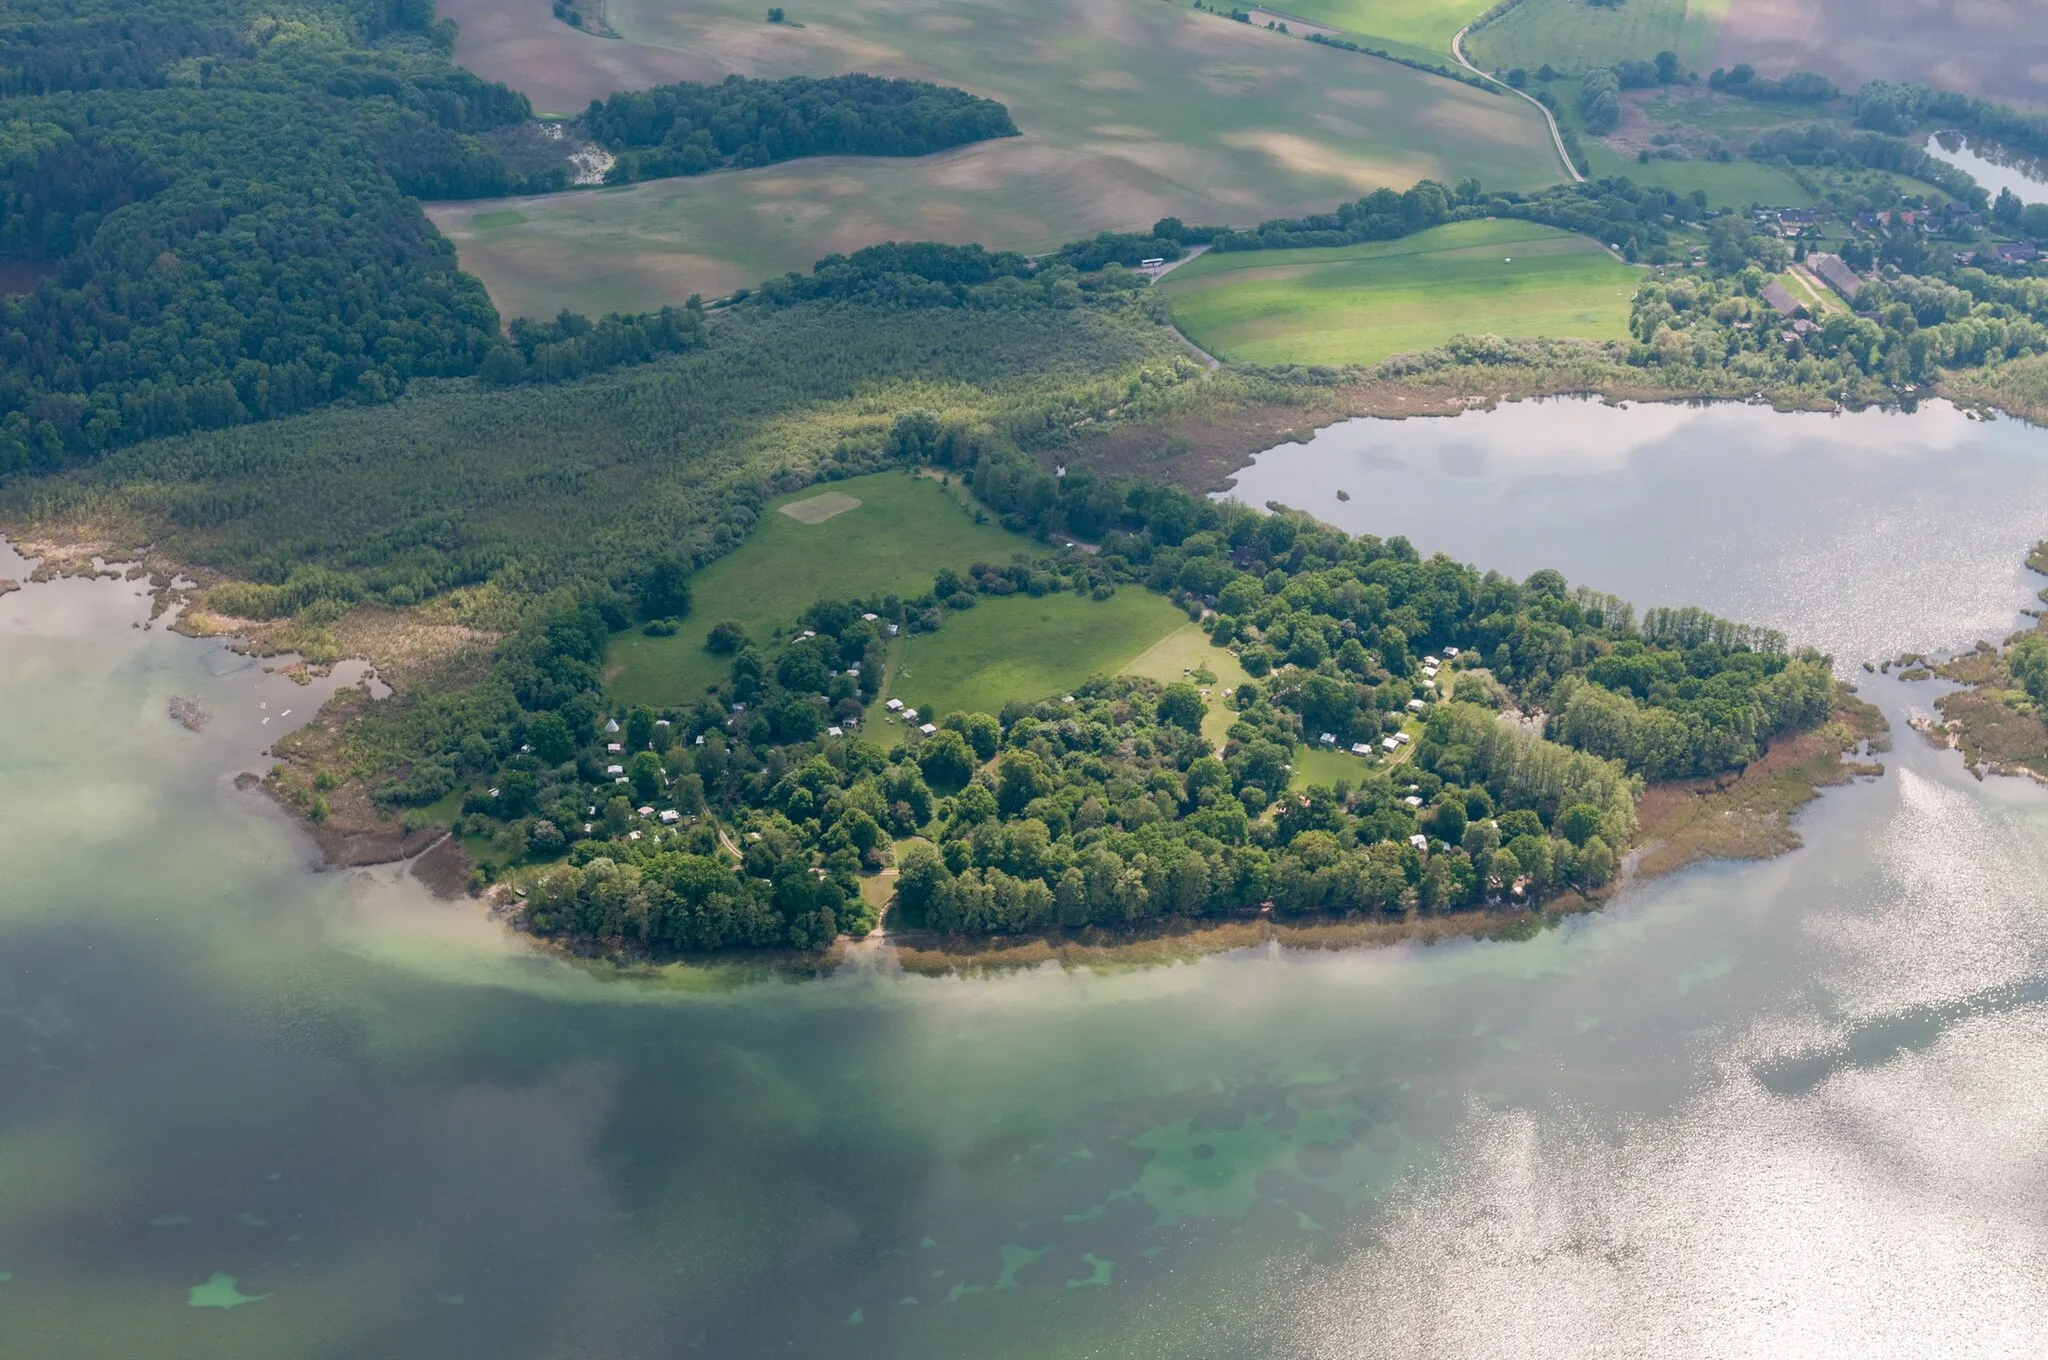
[(888, 533), (1992, 50), (1130, 111), (1421, 29), (1359, 304), (1575, 37), (1025, 647)]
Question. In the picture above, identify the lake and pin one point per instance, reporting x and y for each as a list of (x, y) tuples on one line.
[(251, 1109), (1992, 165)]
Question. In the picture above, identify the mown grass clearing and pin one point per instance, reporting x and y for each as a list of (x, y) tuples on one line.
[(896, 539), (1576, 37), (1027, 648), (1360, 304), (1727, 184), (1421, 29), (1130, 112), (1182, 655)]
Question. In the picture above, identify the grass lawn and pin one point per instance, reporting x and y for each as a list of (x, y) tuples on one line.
[(1359, 304), (1130, 110), (1573, 36), (1728, 184), (1314, 766), (1187, 649), (1410, 28), (904, 529), (1018, 647)]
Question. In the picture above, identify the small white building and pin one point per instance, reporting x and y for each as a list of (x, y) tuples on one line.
[(1416, 705), (669, 816), (1419, 841), (928, 729), (910, 715), (700, 738), (613, 748), (871, 617), (611, 725), (1389, 744), (1328, 739), (893, 705), (1401, 738), (1412, 801), (1359, 748), (834, 732), (645, 811), (614, 769), (632, 835), (1451, 651)]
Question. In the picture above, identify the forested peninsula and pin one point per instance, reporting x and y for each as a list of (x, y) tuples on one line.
[(248, 352)]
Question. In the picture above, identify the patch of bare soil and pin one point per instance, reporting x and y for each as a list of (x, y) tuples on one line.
[(1988, 48), (1748, 815), (445, 868)]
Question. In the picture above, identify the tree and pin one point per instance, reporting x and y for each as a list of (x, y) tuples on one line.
[(2028, 661), (775, 14), (1579, 823), (645, 772), (640, 729), (1667, 67), (1020, 777), (665, 589), (983, 733), (550, 738), (1182, 706), (725, 638), (946, 760)]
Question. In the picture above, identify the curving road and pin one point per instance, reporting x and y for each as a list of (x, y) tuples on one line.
[(1556, 137)]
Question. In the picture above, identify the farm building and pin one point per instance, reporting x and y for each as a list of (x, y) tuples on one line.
[(1836, 274), (1782, 302)]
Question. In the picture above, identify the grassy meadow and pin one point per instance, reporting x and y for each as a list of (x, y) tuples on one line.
[(1421, 29), (1360, 304), (1130, 111), (1180, 654), (894, 542), (1573, 36), (1021, 647)]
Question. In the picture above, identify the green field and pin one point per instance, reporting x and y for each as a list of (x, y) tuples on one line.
[(905, 529), (1573, 36), (1728, 184), (1020, 647), (1131, 110), (1185, 650), (1360, 304), (1421, 29)]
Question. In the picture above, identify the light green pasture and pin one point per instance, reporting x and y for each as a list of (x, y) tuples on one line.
[(1574, 36), (1360, 304)]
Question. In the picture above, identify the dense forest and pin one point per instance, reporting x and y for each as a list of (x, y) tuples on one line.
[(687, 129), (219, 200), (1108, 806)]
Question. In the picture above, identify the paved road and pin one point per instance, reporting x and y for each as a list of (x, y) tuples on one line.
[(1556, 137), (1162, 272)]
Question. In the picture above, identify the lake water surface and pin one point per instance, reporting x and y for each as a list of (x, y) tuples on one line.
[(1777, 1109), (1994, 166)]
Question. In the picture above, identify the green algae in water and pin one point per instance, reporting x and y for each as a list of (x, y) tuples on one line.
[(1015, 1258), (249, 1218), (169, 1221), (1103, 1270), (220, 1292), (855, 1318)]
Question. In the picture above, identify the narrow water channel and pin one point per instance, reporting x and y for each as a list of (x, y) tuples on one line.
[(250, 1109)]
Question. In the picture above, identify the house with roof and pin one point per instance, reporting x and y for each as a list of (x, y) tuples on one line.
[(2017, 252), (1782, 302), (1836, 274)]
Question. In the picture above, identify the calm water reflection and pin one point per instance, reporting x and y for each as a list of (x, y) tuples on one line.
[(1994, 166), (1781, 1108)]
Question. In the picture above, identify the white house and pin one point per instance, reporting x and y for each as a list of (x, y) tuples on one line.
[(1416, 705), (613, 748), (1419, 841), (928, 729), (893, 705), (871, 617), (1359, 748), (614, 769), (1328, 739), (1390, 744), (645, 812), (834, 732), (1412, 801), (1450, 651), (669, 816)]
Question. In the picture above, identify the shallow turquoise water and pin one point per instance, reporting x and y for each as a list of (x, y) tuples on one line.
[(249, 1109)]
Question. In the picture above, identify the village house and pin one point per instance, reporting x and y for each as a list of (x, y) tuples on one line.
[(1836, 274), (1782, 302)]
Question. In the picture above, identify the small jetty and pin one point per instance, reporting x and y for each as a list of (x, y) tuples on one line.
[(189, 712)]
